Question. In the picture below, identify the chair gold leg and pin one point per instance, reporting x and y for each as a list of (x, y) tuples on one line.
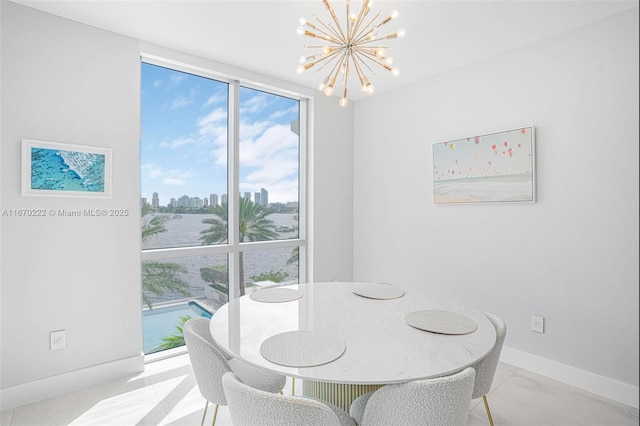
[(215, 414), (486, 405), (293, 386), (206, 405)]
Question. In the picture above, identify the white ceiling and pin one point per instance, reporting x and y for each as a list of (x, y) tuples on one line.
[(260, 36)]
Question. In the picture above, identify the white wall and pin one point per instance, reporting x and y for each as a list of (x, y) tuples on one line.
[(332, 168), (69, 83), (573, 255)]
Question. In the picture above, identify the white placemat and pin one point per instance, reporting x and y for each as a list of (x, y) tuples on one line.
[(302, 348), (443, 322), (275, 295), (379, 291)]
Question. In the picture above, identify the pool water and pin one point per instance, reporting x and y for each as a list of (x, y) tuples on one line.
[(159, 323)]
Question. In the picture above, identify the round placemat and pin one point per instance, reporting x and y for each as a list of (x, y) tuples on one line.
[(302, 348), (276, 295), (379, 291), (443, 322)]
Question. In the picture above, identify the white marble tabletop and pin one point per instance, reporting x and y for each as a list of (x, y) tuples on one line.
[(381, 347)]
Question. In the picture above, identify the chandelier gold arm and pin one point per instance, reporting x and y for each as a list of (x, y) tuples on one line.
[(351, 49)]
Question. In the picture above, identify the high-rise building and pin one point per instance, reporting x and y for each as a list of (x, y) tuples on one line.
[(247, 195), (223, 199), (155, 201), (213, 200), (183, 201), (256, 197), (143, 201), (196, 202), (264, 197), (206, 201)]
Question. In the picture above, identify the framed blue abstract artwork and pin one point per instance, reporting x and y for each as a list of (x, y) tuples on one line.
[(493, 168), (64, 170)]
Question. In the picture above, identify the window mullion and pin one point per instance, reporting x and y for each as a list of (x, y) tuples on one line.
[(233, 171)]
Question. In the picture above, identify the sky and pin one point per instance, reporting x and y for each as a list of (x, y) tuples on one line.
[(183, 149), (497, 154)]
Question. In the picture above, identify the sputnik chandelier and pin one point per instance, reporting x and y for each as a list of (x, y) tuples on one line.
[(348, 50)]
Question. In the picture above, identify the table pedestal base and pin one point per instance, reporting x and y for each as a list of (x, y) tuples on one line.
[(339, 394)]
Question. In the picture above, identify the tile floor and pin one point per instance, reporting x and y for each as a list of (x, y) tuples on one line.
[(167, 394)]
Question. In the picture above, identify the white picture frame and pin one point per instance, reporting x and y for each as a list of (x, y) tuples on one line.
[(491, 168), (53, 169)]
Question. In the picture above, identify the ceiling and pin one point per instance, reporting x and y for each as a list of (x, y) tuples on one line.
[(260, 36)]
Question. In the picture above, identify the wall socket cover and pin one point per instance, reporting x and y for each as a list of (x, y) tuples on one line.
[(537, 323), (58, 340)]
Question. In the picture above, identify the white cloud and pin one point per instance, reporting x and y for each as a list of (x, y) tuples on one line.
[(282, 113), (175, 80), (214, 99), (273, 146), (183, 99), (151, 170), (251, 130), (254, 104), (168, 177), (213, 123), (177, 142)]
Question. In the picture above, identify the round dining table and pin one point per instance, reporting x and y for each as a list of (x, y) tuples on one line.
[(363, 339)]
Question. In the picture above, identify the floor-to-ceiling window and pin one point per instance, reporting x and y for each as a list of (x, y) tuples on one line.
[(222, 195)]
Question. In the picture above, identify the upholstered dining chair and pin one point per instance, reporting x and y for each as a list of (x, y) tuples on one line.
[(442, 401), (210, 363), (486, 367), (249, 406)]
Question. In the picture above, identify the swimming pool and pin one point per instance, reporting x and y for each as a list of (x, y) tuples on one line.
[(161, 322)]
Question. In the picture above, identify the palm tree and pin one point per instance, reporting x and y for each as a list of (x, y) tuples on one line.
[(253, 226), (175, 340), (158, 277)]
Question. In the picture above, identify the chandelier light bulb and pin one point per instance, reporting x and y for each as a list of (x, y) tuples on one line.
[(348, 46)]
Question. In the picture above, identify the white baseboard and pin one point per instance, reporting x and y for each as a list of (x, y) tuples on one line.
[(48, 387), (603, 386)]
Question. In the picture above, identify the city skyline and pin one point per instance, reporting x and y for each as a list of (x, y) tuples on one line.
[(261, 197)]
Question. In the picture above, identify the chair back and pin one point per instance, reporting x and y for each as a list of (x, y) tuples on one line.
[(208, 363), (442, 401), (486, 367), (250, 406)]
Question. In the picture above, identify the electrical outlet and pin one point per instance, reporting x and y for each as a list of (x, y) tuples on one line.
[(537, 323), (58, 340)]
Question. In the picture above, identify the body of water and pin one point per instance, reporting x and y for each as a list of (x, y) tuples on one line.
[(508, 188), (161, 322), (67, 170), (184, 231)]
